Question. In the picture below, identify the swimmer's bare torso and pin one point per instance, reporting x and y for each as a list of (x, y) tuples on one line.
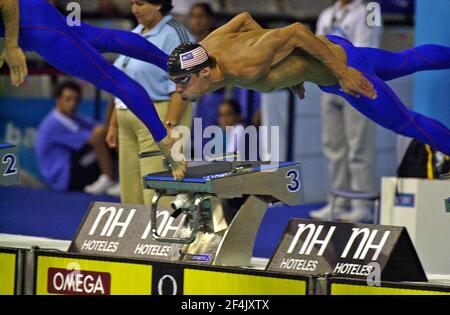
[(249, 56), (229, 52)]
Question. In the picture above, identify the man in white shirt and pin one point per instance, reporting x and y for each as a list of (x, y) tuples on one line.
[(347, 136)]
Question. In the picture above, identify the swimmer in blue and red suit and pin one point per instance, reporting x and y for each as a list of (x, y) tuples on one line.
[(35, 25), (241, 53)]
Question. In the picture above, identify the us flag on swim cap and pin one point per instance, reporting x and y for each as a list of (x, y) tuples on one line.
[(193, 58)]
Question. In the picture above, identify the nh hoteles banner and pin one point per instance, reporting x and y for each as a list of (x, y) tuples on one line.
[(123, 230), (347, 250)]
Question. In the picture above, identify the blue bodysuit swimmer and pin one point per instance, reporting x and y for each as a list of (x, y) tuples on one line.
[(76, 50)]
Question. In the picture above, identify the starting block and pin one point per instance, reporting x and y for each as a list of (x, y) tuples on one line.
[(224, 204), (9, 165)]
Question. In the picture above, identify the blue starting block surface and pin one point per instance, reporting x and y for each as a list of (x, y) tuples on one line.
[(214, 171), (5, 146), (9, 165)]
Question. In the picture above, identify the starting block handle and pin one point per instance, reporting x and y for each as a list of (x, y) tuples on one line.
[(192, 220), (232, 156)]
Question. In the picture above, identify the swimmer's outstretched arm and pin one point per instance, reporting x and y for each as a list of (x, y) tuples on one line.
[(13, 54)]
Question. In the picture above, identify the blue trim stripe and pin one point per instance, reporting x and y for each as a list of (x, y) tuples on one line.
[(5, 145), (216, 176), (171, 179)]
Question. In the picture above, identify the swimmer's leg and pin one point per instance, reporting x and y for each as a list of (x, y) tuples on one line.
[(72, 55), (41, 14), (389, 65), (388, 111), (122, 42)]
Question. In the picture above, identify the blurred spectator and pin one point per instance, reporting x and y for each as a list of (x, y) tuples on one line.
[(230, 116), (105, 8), (207, 108), (182, 7), (122, 6), (71, 150), (108, 9), (157, 25), (87, 6), (347, 136), (201, 20)]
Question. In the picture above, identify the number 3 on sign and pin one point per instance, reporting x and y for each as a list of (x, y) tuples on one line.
[(295, 184), (10, 161)]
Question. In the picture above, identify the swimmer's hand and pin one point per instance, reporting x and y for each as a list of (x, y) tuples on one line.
[(176, 159), (15, 58), (355, 83), (299, 90)]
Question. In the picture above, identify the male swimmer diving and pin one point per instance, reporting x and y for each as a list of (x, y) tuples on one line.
[(242, 53)]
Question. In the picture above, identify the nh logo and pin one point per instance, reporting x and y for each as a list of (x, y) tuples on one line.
[(311, 239), (112, 222), (366, 243)]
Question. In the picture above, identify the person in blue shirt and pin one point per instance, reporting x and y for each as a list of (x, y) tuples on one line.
[(70, 148), (139, 154)]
